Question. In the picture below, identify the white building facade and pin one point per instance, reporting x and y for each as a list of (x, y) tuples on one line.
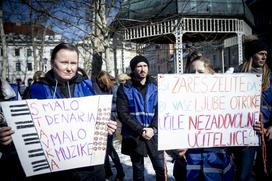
[(21, 56)]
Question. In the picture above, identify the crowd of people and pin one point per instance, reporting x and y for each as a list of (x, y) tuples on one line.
[(135, 106)]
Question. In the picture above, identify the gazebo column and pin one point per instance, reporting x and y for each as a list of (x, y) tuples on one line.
[(240, 47), (179, 51)]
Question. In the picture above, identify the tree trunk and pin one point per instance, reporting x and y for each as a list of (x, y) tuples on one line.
[(100, 31), (4, 49), (42, 47)]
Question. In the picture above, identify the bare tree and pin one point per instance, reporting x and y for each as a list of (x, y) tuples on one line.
[(4, 47), (82, 22)]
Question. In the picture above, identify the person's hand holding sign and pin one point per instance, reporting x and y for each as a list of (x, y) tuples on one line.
[(5, 135), (269, 133), (258, 128), (112, 126)]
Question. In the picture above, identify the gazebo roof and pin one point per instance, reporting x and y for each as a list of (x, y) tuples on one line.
[(146, 20), (135, 12)]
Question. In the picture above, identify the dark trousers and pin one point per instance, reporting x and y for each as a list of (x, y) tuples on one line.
[(259, 166), (179, 170), (138, 166), (244, 160), (10, 168), (111, 152)]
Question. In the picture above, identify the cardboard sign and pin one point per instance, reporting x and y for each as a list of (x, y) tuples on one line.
[(59, 134), (199, 110)]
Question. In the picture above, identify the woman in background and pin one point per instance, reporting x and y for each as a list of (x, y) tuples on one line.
[(256, 53), (105, 84), (36, 78)]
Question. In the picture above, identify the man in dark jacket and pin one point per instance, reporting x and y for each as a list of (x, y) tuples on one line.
[(137, 108)]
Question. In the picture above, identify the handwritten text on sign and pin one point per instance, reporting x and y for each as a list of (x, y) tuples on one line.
[(198, 110), (53, 135)]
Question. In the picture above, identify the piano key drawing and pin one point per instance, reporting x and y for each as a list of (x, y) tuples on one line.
[(59, 134)]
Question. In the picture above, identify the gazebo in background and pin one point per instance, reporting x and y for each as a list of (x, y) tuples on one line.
[(178, 21)]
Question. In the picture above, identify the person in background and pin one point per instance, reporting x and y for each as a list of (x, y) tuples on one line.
[(205, 163), (191, 56), (6, 91), (9, 162), (256, 52), (82, 72), (26, 91), (105, 84), (137, 108), (122, 78), (36, 77), (197, 63), (18, 87), (62, 81)]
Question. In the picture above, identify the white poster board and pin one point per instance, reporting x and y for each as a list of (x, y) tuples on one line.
[(199, 110), (59, 134)]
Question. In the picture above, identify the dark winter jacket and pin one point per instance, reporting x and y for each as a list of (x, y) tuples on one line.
[(137, 109)]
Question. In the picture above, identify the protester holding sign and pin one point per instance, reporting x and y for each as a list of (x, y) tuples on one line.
[(63, 81), (256, 62), (203, 163), (137, 105), (10, 167)]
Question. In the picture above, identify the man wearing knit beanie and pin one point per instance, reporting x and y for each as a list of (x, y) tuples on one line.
[(139, 67), (134, 61), (137, 108)]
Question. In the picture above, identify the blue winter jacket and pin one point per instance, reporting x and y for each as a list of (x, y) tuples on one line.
[(209, 164), (142, 109), (266, 104), (137, 112), (50, 88)]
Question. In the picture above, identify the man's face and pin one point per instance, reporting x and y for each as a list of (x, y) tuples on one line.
[(141, 69), (259, 59), (65, 64)]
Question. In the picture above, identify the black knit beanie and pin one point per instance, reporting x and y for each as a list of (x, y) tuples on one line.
[(137, 59), (253, 47)]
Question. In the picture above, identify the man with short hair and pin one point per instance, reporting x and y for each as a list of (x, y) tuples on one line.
[(137, 107)]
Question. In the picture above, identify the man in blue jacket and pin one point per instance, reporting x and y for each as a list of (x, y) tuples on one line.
[(137, 108)]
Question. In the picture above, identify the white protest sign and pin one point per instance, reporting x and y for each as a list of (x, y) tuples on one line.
[(59, 134), (199, 110)]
